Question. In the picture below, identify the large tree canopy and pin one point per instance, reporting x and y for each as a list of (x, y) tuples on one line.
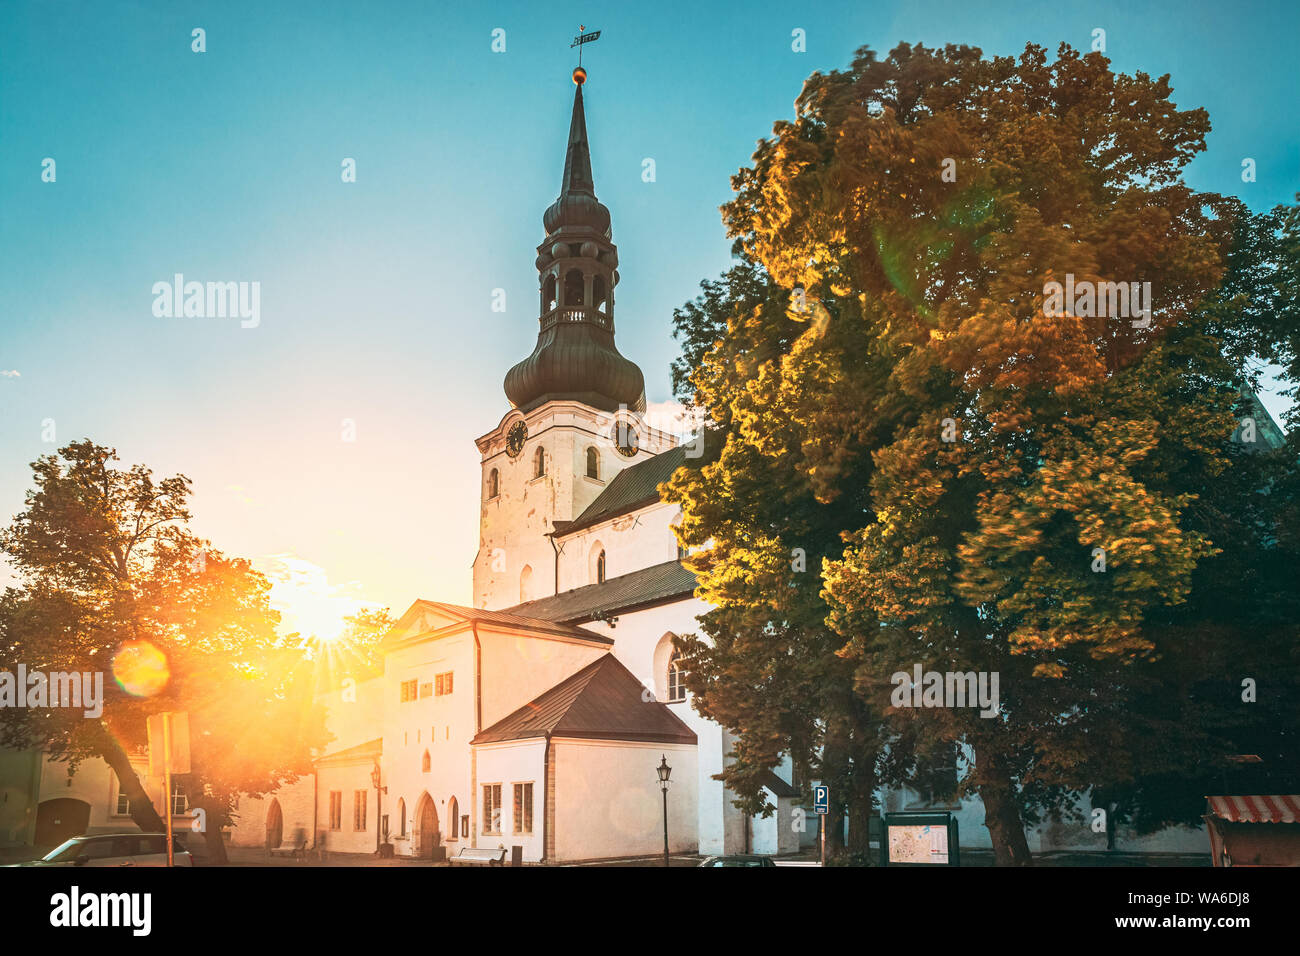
[(988, 481), (113, 581)]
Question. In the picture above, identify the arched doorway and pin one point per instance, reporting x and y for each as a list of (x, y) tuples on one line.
[(427, 833), (274, 825), (61, 819)]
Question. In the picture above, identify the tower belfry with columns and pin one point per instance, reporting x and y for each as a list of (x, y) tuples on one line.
[(574, 421)]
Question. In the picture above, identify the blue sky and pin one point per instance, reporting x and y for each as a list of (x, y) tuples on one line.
[(376, 296)]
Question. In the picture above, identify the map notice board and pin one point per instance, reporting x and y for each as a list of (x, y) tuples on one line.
[(919, 839)]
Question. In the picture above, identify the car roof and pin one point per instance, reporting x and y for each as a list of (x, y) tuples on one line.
[(88, 837)]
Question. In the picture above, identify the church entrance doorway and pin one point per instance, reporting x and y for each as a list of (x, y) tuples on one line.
[(274, 825), (430, 838)]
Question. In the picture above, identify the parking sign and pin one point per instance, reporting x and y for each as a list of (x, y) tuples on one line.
[(821, 799)]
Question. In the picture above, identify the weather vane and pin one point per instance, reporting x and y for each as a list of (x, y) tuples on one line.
[(582, 38)]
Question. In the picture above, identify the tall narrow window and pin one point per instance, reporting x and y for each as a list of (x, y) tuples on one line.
[(336, 809), (424, 763), (676, 685), (358, 810), (600, 568), (523, 808), (401, 817), (593, 463), (539, 462), (494, 484), (453, 810), (548, 294), (574, 289), (492, 808)]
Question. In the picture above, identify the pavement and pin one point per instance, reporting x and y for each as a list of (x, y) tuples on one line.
[(256, 856)]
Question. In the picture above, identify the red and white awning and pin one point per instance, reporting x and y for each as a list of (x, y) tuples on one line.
[(1265, 809)]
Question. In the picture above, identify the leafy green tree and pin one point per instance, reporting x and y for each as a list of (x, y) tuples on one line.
[(110, 575), (998, 485)]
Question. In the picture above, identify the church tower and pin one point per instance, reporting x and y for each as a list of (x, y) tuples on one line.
[(574, 421)]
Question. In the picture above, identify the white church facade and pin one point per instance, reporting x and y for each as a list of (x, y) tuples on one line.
[(538, 717)]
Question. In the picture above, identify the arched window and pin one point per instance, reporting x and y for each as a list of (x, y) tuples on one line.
[(494, 484), (526, 583), (574, 292), (596, 563), (453, 810), (539, 462), (548, 294), (676, 684), (598, 294), (593, 463), (424, 763), (401, 817)]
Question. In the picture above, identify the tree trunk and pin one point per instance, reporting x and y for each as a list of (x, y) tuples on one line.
[(216, 816), (142, 808), (861, 807), (1002, 816), (212, 838)]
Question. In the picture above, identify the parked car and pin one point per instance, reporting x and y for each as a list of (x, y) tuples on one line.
[(739, 859), (115, 849)]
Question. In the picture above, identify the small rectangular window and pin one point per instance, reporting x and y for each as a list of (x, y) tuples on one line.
[(409, 690), (179, 802), (442, 684)]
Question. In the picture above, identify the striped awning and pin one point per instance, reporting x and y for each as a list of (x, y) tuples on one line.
[(1265, 809)]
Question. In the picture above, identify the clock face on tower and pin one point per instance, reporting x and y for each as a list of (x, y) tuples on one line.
[(515, 439), (624, 438)]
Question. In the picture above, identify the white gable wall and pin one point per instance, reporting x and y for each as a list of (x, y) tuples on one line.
[(631, 542), (608, 800)]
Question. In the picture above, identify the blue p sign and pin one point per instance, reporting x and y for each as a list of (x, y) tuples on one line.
[(821, 798)]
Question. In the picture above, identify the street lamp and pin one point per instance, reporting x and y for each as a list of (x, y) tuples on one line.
[(379, 791), (664, 772)]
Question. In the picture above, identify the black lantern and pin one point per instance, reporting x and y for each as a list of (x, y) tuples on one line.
[(664, 772)]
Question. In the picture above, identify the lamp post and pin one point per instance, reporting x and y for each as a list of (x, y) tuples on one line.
[(375, 779), (664, 772)]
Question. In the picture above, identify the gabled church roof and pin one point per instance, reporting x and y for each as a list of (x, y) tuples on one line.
[(652, 585), (632, 489), (454, 613), (371, 748), (603, 701)]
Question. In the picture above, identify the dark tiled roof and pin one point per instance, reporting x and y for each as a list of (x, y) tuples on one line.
[(631, 489), (647, 586), (778, 786), (523, 622), (603, 701)]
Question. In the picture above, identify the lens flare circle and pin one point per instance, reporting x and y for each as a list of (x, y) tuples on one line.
[(140, 668)]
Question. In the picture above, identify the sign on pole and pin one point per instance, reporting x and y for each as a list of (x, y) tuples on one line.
[(821, 799), (169, 753), (179, 751)]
